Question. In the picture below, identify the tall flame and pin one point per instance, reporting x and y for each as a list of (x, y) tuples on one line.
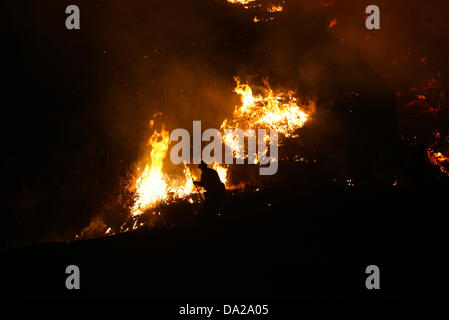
[(151, 186), (222, 172), (154, 186)]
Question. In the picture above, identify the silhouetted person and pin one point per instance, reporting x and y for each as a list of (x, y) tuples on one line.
[(215, 189)]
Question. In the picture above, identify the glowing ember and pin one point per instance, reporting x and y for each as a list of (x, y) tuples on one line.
[(154, 186), (277, 8), (268, 9), (256, 19), (427, 98), (437, 158), (241, 1), (333, 23)]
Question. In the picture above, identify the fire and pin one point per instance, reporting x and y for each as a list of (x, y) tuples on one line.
[(439, 159), (222, 172), (426, 103), (241, 1), (275, 8), (276, 110), (269, 110), (333, 23), (267, 10), (153, 185)]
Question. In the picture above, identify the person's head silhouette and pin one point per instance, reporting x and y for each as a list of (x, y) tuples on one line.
[(202, 165)]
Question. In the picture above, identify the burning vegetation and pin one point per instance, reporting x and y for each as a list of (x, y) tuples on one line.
[(269, 110), (426, 103), (277, 110), (154, 186), (265, 11), (439, 159)]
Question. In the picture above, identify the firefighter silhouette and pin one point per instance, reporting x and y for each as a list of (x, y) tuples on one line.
[(215, 189)]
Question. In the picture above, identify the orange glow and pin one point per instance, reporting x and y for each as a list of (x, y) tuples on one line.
[(327, 4), (222, 172), (333, 23), (428, 98), (271, 9), (438, 158), (277, 110), (153, 186), (241, 1), (269, 110), (275, 8)]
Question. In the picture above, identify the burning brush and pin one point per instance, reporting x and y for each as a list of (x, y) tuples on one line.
[(155, 189)]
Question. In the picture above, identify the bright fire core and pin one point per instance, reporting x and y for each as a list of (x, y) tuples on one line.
[(269, 110)]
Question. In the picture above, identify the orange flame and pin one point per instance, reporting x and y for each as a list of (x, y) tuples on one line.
[(438, 159), (153, 185), (333, 23), (279, 111), (276, 110), (270, 110), (275, 8), (241, 1), (222, 172)]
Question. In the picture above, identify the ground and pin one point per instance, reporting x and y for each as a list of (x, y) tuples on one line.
[(276, 243)]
